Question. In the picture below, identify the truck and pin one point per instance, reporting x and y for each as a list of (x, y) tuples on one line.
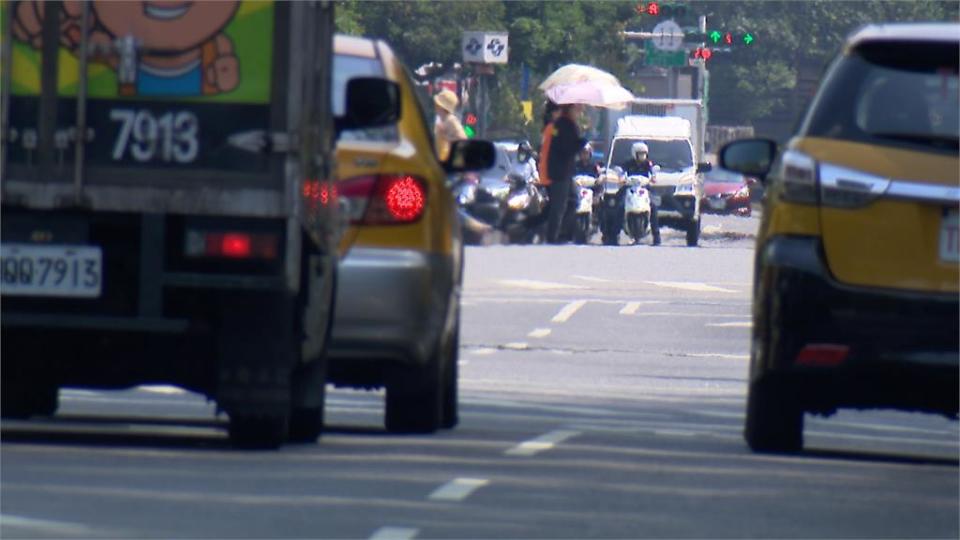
[(168, 214), (677, 187)]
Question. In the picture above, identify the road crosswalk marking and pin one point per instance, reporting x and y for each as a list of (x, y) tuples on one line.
[(690, 286), (394, 533), (457, 489), (540, 333), (541, 443), (568, 310)]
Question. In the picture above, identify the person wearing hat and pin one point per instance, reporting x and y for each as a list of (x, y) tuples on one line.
[(447, 128)]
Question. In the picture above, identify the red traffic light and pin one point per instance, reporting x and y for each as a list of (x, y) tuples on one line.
[(702, 52), (728, 38), (471, 119), (653, 8)]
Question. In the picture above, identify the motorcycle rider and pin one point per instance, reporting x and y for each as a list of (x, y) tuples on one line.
[(641, 164), (585, 164), (526, 164)]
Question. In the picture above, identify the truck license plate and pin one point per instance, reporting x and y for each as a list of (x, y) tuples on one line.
[(56, 270), (950, 237)]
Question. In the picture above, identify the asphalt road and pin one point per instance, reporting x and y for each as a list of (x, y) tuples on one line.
[(602, 394)]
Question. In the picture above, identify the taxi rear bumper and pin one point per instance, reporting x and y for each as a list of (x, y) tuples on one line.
[(844, 346), (391, 310)]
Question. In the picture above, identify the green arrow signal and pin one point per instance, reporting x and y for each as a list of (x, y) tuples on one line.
[(715, 36), (748, 39)]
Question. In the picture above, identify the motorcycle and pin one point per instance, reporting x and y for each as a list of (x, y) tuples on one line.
[(510, 203), (625, 206), (584, 186), (524, 206), (637, 199)]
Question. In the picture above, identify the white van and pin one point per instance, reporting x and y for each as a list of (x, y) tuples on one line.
[(678, 185)]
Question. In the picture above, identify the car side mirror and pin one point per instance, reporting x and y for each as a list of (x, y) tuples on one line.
[(371, 102), (704, 167), (750, 157), (470, 155)]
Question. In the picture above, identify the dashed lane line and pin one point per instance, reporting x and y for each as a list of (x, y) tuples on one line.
[(593, 279), (161, 389), (394, 533), (45, 526), (457, 489), (735, 324), (483, 351), (632, 307), (516, 346), (540, 333), (537, 285), (541, 443), (690, 286), (568, 310)]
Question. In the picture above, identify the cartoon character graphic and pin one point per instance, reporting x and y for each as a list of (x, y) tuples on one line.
[(177, 48)]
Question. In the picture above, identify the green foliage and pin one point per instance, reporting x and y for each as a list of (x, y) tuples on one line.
[(749, 84)]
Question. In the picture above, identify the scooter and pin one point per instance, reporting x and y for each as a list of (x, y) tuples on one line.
[(613, 194), (637, 207), (523, 209), (584, 186)]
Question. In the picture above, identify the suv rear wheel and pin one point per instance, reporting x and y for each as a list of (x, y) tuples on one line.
[(774, 419)]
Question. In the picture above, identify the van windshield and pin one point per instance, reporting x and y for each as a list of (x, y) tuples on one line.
[(672, 156)]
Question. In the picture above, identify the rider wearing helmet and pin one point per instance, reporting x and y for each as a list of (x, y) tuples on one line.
[(585, 164), (641, 164), (525, 162)]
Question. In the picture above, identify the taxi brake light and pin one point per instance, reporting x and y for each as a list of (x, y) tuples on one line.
[(822, 355)]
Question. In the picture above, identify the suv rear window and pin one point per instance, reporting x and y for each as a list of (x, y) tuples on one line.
[(346, 67), (892, 93)]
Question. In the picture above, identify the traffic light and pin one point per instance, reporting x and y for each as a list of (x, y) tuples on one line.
[(470, 125), (662, 10), (703, 53)]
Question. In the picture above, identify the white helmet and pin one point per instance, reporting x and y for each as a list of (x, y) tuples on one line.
[(640, 148)]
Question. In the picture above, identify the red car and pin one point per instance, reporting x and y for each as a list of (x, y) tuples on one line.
[(726, 192)]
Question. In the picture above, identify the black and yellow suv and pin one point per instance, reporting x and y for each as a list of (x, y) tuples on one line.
[(856, 281)]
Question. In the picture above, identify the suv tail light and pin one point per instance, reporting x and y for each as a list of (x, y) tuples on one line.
[(804, 180), (230, 244), (391, 199), (799, 174)]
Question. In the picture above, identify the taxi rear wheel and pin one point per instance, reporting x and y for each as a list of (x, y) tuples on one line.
[(414, 396), (774, 420), (448, 415)]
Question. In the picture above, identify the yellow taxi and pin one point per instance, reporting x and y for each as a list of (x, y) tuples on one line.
[(397, 312), (856, 281)]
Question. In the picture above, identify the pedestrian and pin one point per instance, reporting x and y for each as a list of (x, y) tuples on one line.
[(564, 144), (447, 127)]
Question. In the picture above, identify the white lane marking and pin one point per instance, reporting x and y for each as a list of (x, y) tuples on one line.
[(483, 351), (67, 392), (457, 489), (632, 307), (689, 314), (541, 443), (536, 285), (593, 279), (516, 346), (690, 286), (540, 333), (674, 433), (717, 355), (161, 389), (568, 310), (45, 525), (735, 324), (394, 533)]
